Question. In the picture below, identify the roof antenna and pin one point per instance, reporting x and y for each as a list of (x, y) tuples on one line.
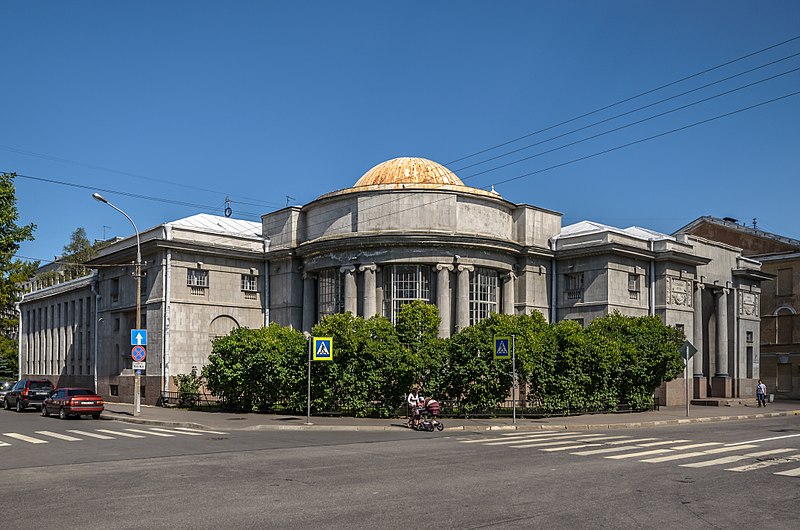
[(228, 211), (289, 199), (754, 223)]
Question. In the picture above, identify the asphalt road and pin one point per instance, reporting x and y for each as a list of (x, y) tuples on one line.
[(632, 478)]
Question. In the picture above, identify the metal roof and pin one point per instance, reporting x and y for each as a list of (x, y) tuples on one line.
[(204, 222)]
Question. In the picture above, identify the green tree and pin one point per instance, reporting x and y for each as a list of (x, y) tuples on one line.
[(77, 252), (13, 271)]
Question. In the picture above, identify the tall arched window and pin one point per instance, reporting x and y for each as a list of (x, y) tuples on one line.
[(482, 295), (402, 284), (785, 324), (330, 292)]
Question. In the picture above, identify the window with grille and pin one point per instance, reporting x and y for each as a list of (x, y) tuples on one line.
[(783, 285), (633, 286), (482, 295), (404, 284), (574, 284), (330, 292), (196, 278), (115, 290), (249, 283)]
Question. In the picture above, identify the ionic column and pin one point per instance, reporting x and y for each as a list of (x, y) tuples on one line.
[(462, 300), (508, 293), (350, 300), (698, 330), (368, 300), (443, 298), (722, 333), (309, 302)]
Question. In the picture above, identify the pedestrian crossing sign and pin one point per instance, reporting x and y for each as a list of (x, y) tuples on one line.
[(501, 347), (323, 348)]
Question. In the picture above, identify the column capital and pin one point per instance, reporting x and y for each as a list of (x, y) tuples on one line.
[(309, 275), (368, 267), (700, 285), (348, 269), (462, 268), (444, 266), (509, 276)]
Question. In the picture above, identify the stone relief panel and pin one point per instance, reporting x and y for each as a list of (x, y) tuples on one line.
[(748, 304), (679, 291)]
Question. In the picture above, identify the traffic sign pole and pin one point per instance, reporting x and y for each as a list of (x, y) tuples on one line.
[(514, 375)]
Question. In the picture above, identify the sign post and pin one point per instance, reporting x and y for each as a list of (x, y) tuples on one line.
[(503, 346), (322, 351), (688, 351), (138, 354)]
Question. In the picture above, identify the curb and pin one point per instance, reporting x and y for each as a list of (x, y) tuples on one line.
[(540, 427)]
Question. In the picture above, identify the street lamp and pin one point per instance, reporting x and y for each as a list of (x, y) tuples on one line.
[(137, 381)]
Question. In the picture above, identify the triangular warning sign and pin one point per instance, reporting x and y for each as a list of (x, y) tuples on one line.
[(502, 348), (322, 350)]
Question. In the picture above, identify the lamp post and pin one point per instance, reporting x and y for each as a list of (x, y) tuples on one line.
[(137, 381)]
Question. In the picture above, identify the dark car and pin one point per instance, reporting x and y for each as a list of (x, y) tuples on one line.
[(5, 387), (27, 393), (73, 402)]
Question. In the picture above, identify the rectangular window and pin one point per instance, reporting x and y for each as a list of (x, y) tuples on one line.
[(749, 337), (196, 278), (116, 324), (633, 286), (482, 295), (403, 284), (330, 292), (114, 290), (783, 283), (143, 284), (113, 390), (574, 284), (249, 282)]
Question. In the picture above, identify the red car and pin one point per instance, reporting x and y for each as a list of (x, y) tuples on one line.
[(73, 402)]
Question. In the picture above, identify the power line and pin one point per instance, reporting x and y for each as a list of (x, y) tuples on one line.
[(620, 102)]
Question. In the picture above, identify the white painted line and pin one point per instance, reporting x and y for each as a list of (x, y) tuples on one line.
[(641, 453), (175, 432), (547, 444), (790, 473), (65, 437), (666, 442), (24, 438), (606, 450), (118, 433), (695, 446), (91, 435), (634, 441), (521, 437), (695, 454), (735, 458), (198, 430), (766, 439), (570, 447), (766, 463), (151, 433), (3, 444), (538, 433)]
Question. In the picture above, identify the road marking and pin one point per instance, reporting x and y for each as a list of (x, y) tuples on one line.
[(634, 441), (24, 438), (695, 446), (766, 439), (667, 442), (119, 433), (65, 437), (198, 430), (549, 443), (151, 433), (789, 473), (695, 454), (766, 463), (3, 444), (640, 453), (517, 440), (518, 436), (91, 435), (175, 432), (616, 449), (539, 433), (569, 447), (735, 458)]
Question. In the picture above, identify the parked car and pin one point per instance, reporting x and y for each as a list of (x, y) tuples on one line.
[(73, 402), (5, 387), (27, 393)]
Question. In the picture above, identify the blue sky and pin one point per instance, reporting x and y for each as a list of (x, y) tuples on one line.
[(190, 102)]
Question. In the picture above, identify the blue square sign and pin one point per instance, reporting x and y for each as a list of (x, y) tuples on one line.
[(138, 337)]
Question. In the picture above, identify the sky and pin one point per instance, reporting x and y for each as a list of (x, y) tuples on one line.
[(170, 108)]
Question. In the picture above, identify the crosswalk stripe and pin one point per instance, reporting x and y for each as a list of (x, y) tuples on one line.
[(640, 453), (198, 430), (176, 432), (91, 435), (537, 433), (790, 473), (550, 442), (665, 442), (735, 458), (680, 456), (696, 446), (64, 437), (569, 447), (151, 433), (119, 433), (616, 449), (513, 441), (766, 463), (3, 444), (24, 438), (517, 436)]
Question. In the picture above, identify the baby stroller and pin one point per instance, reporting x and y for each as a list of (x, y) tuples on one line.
[(428, 415)]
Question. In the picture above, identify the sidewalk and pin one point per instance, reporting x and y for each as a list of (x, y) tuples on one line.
[(174, 417)]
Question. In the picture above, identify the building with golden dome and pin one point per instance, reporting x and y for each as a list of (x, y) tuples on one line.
[(408, 229)]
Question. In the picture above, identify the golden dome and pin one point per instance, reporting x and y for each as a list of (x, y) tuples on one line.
[(408, 171)]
